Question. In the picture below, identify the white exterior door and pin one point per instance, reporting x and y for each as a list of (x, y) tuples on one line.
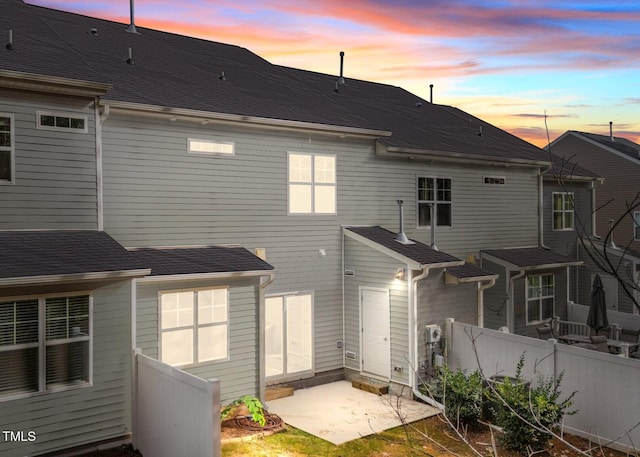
[(376, 344)]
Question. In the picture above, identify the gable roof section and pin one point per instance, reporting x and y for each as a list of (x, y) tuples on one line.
[(417, 255), (533, 258), (621, 147), (172, 72), (207, 260), (34, 257)]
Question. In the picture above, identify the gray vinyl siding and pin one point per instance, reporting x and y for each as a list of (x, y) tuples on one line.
[(55, 171), (565, 242), (239, 375), (376, 270), (495, 298), (619, 188), (88, 414), (438, 301), (157, 194)]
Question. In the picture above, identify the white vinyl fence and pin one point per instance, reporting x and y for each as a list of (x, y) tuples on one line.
[(607, 399), (175, 413), (579, 313)]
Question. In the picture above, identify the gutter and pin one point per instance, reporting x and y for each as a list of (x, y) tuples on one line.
[(262, 122), (52, 84), (481, 289), (262, 382), (74, 277), (196, 276), (541, 206), (448, 156)]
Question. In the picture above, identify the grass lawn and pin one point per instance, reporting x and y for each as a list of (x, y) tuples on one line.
[(392, 443)]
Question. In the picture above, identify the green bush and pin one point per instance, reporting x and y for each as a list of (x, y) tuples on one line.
[(254, 406), (527, 414), (462, 397)]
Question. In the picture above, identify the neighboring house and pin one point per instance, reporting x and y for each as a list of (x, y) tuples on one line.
[(617, 160), (204, 160)]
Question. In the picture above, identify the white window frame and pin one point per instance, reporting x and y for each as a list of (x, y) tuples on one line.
[(539, 298), (191, 142), (566, 197), (10, 149), (42, 345), (39, 125), (636, 225), (435, 200), (312, 184), (195, 326)]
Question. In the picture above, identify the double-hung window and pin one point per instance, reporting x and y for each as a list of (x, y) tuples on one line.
[(540, 298), (636, 225), (312, 184), (434, 192), (6, 148), (45, 344), (562, 210), (194, 326)]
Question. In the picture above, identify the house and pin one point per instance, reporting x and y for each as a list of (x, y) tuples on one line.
[(259, 204), (615, 248)]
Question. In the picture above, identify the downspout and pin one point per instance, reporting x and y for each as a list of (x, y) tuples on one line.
[(344, 334), (413, 343), (99, 120), (261, 337), (541, 207), (593, 210), (512, 304), (481, 289)]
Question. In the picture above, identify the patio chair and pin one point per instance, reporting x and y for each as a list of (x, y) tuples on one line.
[(605, 331), (544, 333), (600, 343), (631, 336)]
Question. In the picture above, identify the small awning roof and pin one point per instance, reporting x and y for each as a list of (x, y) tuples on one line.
[(200, 261), (467, 273), (52, 256), (530, 258), (417, 255)]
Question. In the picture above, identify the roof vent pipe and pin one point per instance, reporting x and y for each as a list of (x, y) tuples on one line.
[(611, 131), (430, 93), (130, 59), (132, 25), (341, 78), (402, 237), (9, 45)]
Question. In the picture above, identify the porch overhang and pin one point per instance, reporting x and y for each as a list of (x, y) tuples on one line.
[(529, 259), (467, 273)]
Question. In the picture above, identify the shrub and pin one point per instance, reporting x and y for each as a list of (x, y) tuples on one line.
[(528, 414), (462, 396), (253, 405)]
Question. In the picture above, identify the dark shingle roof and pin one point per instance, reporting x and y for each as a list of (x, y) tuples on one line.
[(468, 271), (621, 145), (176, 71), (195, 260), (530, 257), (417, 252), (46, 253)]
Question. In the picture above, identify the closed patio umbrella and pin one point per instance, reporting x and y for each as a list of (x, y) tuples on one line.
[(597, 318)]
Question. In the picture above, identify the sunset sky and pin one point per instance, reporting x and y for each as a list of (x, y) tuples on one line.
[(506, 61)]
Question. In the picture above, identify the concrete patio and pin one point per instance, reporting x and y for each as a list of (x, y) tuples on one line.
[(338, 413)]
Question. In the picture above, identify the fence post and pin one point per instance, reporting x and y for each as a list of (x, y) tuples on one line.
[(216, 435), (448, 334), (134, 398)]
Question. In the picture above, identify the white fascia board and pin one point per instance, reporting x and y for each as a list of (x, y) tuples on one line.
[(452, 279), (77, 277), (513, 267), (239, 119), (196, 276), (455, 157), (52, 84)]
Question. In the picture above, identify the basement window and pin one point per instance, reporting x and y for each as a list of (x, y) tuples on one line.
[(494, 180), (210, 147), (62, 121)]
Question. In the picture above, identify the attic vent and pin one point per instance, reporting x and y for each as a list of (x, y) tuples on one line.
[(60, 121), (210, 147), (495, 180)]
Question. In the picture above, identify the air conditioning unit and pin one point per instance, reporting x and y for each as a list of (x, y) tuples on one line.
[(432, 333)]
